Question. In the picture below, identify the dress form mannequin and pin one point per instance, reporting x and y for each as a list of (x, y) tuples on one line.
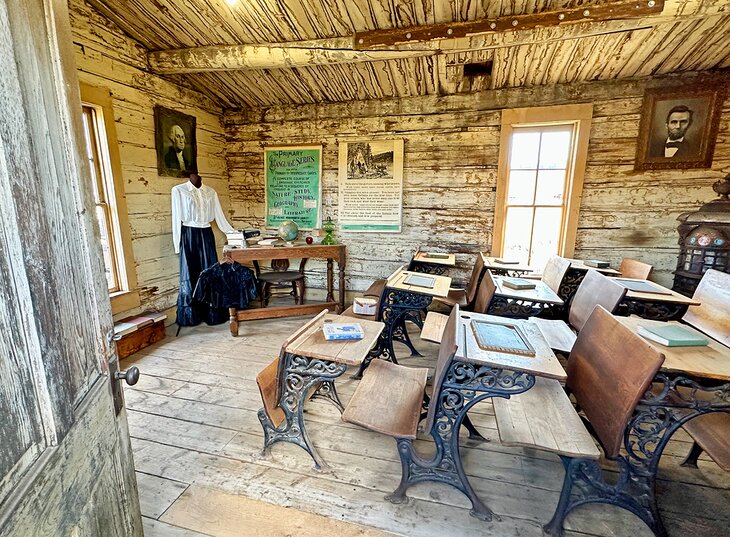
[(194, 206)]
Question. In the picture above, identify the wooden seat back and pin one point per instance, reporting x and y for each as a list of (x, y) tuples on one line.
[(554, 272), (631, 268), (485, 293), (595, 289), (270, 379), (447, 350), (609, 370), (268, 382), (476, 276), (712, 316)]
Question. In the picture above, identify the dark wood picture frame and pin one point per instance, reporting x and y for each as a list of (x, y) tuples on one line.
[(168, 158), (700, 105)]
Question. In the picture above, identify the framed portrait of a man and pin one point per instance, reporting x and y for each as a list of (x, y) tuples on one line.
[(175, 142), (678, 127)]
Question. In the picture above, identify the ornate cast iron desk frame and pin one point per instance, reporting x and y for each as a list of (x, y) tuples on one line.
[(672, 401), (301, 375), (395, 308), (464, 385)]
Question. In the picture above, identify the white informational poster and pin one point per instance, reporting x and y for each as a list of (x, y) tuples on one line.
[(371, 186)]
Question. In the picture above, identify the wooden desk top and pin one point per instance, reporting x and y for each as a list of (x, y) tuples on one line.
[(671, 296), (578, 264), (712, 361), (440, 288), (422, 257), (297, 251), (491, 263), (311, 342), (541, 292), (543, 364)]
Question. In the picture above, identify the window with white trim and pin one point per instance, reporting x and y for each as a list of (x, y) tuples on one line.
[(542, 159)]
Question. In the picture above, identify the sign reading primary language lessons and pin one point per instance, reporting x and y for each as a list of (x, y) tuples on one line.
[(371, 186), (293, 186)]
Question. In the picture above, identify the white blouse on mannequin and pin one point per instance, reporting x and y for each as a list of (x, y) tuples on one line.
[(195, 207)]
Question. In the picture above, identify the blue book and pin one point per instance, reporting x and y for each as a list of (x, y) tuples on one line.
[(335, 331), (672, 335)]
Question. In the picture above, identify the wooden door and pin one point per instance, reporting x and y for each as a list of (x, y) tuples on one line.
[(65, 459)]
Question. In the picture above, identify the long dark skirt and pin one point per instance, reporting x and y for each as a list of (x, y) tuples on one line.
[(197, 253)]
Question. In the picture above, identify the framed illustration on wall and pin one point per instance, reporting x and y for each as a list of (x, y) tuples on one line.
[(371, 186), (175, 142), (293, 185), (678, 127)]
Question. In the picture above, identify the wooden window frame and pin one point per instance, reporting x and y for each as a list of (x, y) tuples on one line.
[(128, 297), (580, 116)]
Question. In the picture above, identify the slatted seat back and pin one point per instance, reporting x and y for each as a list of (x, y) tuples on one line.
[(712, 316), (595, 289), (270, 379), (631, 268), (609, 370), (554, 272), (447, 350), (476, 276), (485, 293)]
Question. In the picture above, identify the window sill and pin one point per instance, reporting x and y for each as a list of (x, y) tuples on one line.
[(124, 300)]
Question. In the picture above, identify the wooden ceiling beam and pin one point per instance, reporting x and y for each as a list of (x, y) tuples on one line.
[(618, 10), (272, 56)]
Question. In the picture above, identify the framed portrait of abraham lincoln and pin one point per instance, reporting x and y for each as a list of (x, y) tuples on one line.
[(175, 142), (678, 127)]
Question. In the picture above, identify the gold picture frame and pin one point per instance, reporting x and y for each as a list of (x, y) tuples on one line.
[(678, 127)]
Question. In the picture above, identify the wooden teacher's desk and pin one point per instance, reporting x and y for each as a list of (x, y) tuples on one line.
[(298, 251)]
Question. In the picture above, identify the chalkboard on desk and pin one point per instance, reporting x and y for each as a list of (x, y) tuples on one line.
[(501, 337)]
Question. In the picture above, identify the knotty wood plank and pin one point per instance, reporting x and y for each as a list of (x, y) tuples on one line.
[(544, 418), (157, 494), (223, 514)]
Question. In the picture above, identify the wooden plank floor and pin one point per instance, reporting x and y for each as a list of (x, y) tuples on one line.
[(194, 428)]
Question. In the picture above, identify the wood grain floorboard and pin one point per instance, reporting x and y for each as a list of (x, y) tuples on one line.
[(193, 421)]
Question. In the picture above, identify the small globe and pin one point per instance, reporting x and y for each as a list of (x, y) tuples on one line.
[(288, 230)]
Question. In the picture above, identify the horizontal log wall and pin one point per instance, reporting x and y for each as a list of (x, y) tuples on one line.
[(106, 57), (450, 171)]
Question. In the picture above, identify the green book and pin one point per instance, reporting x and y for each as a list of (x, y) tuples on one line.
[(673, 335)]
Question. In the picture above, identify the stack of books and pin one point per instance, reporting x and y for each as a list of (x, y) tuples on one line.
[(134, 323), (236, 239)]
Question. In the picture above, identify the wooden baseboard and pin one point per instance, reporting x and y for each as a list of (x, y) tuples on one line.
[(139, 339)]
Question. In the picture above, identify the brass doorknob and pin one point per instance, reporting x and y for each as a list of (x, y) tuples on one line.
[(130, 376)]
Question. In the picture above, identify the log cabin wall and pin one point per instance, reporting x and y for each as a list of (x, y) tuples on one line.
[(106, 57), (450, 172)]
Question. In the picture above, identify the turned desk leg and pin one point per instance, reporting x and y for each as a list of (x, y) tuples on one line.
[(233, 321), (330, 281), (341, 286)]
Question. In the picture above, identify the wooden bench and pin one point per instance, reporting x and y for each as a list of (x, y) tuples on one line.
[(465, 297), (711, 432), (390, 399), (609, 370), (631, 268), (595, 289), (544, 418)]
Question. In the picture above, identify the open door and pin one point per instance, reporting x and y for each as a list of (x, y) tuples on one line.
[(65, 459)]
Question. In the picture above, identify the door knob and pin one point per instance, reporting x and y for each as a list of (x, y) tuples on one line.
[(130, 376)]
